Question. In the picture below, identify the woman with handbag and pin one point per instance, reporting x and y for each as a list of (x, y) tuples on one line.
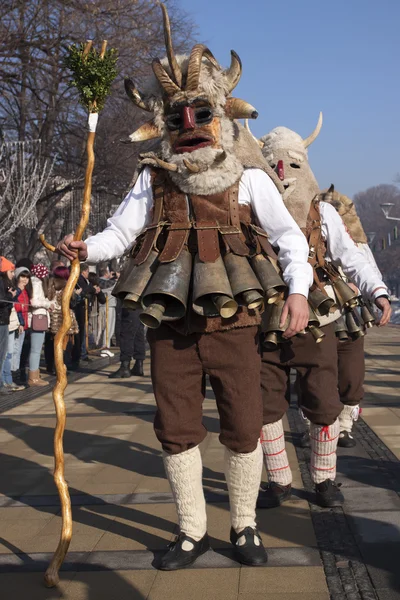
[(39, 322), (22, 306)]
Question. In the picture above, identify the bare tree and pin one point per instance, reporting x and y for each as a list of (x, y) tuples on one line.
[(38, 102), (24, 176)]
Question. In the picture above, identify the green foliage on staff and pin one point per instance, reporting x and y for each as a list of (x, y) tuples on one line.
[(92, 75)]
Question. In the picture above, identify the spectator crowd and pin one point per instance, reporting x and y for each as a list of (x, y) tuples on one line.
[(31, 314)]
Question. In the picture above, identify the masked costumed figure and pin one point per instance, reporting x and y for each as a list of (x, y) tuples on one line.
[(330, 248), (199, 212), (351, 327)]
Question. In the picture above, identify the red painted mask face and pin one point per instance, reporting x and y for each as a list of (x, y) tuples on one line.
[(192, 126), (280, 170)]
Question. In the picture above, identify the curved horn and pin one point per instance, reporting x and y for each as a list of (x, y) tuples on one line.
[(191, 166), (157, 162), (134, 94), (148, 131), (247, 127), (173, 63), (165, 80), (234, 72), (193, 74), (311, 138), (236, 108)]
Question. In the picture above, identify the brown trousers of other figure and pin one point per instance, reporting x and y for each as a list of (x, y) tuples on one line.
[(179, 364), (351, 367), (316, 365)]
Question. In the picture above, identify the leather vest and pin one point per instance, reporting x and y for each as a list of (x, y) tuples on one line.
[(208, 225)]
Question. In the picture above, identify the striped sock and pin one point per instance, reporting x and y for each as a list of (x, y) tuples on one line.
[(324, 441), (275, 457)]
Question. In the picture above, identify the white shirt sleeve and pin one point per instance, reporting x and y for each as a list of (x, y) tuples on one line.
[(343, 252), (257, 189), (128, 221)]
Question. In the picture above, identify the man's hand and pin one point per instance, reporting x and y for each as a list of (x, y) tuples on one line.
[(72, 249), (384, 305), (296, 307)]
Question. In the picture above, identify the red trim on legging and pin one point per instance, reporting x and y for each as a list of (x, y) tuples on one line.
[(322, 468), (275, 454), (278, 438), (324, 441), (330, 453), (280, 468)]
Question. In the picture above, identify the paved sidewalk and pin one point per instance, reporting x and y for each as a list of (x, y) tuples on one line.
[(124, 515)]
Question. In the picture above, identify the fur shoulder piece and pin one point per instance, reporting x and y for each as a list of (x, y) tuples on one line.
[(346, 209)]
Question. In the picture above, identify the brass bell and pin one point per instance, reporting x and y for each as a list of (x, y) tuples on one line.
[(246, 288), (272, 283), (313, 326), (134, 279), (212, 292), (341, 329), (346, 296), (312, 317), (366, 316), (271, 321), (270, 341), (353, 326), (317, 333), (321, 303), (165, 298)]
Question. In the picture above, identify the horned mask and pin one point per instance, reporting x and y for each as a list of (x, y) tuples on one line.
[(194, 114), (286, 152)]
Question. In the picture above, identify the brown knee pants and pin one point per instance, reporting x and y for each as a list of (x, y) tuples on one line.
[(317, 369), (178, 367), (351, 365)]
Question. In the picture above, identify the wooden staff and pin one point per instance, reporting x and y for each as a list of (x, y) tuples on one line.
[(51, 577)]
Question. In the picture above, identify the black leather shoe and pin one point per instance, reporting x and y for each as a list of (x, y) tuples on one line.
[(273, 495), (252, 552), (328, 494), (346, 440), (123, 371), (137, 368), (178, 558)]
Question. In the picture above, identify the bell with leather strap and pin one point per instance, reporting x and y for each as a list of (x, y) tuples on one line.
[(321, 303), (272, 283), (313, 326), (246, 288), (347, 298), (165, 298), (134, 279), (341, 330), (353, 325), (212, 292)]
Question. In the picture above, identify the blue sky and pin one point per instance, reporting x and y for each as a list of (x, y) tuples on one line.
[(303, 56)]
